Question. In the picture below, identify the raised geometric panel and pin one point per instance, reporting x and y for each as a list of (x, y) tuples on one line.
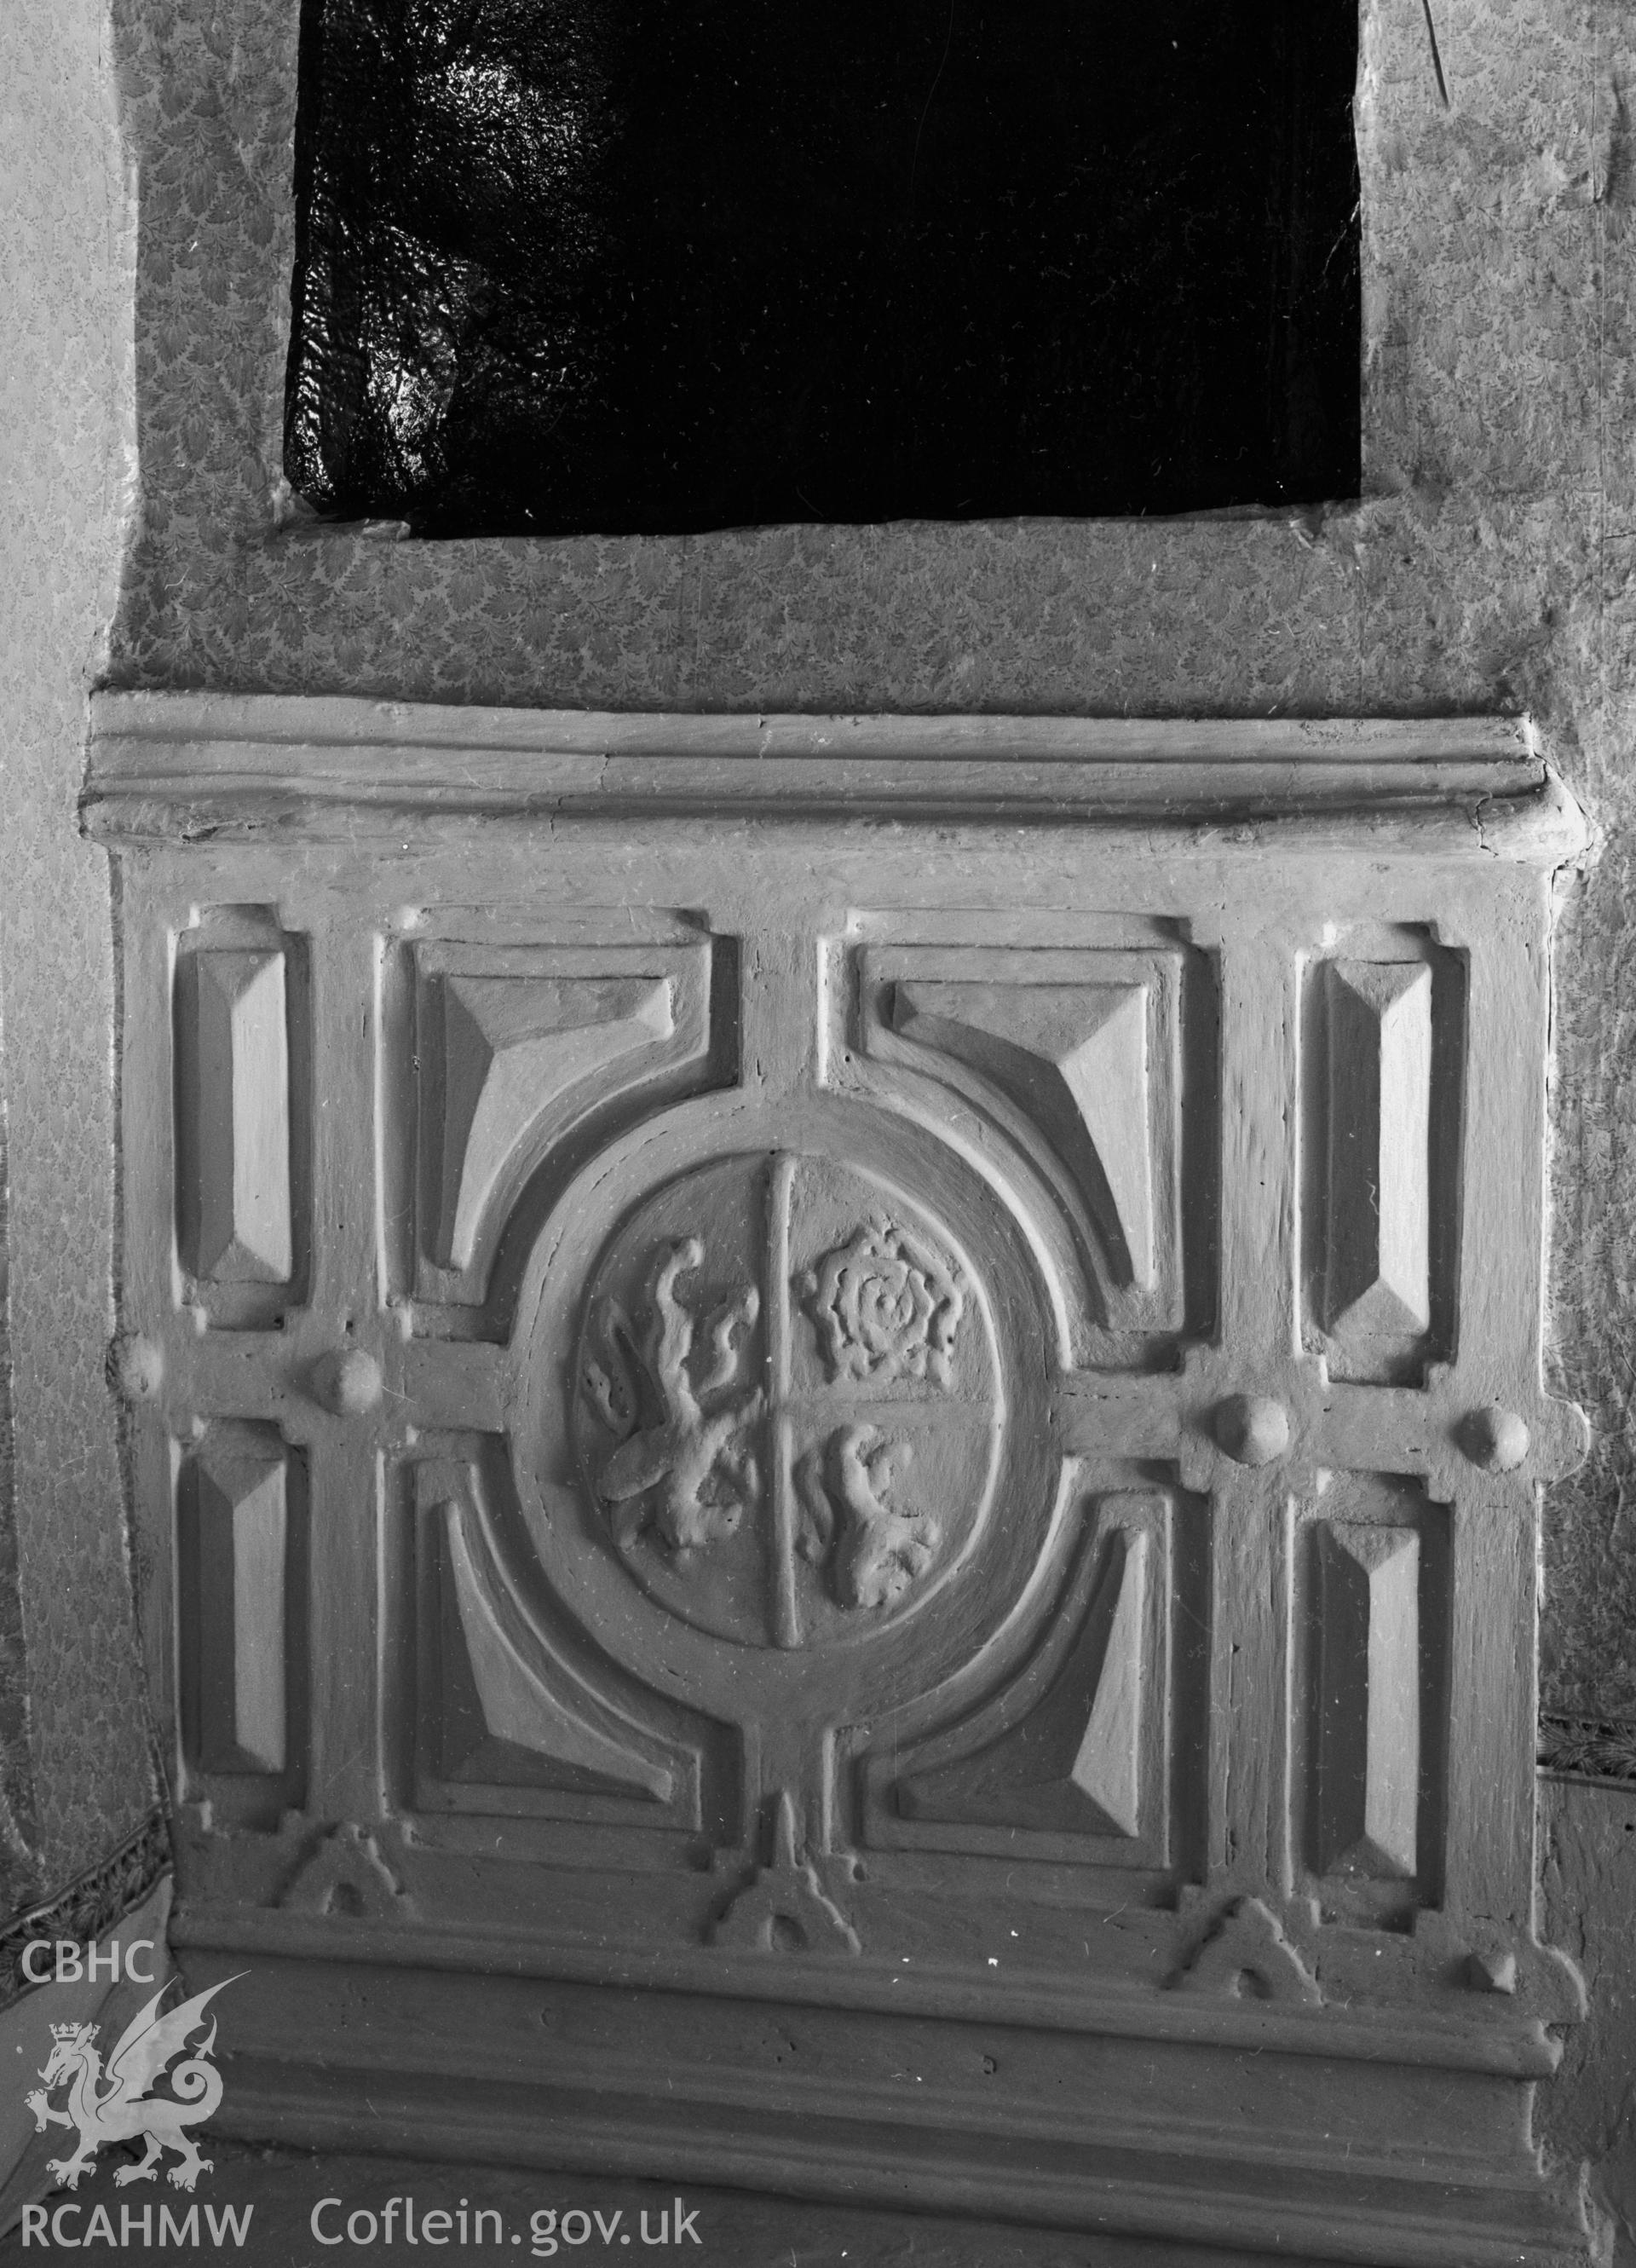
[(494, 1721), (1073, 1747), (1074, 1057), (1367, 1702), (1382, 1137), (1065, 1765), (515, 1047), (234, 1190), (500, 1710), (1065, 1070), (512, 1047), (239, 1580), (1380, 1082)]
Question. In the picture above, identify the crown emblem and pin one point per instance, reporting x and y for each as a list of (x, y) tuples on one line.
[(73, 2031)]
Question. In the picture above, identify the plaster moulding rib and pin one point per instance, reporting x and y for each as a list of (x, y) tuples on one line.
[(248, 765)]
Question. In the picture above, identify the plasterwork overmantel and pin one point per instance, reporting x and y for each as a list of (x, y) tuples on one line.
[(788, 1359)]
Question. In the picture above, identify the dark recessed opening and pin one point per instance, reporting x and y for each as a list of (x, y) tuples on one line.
[(619, 265)]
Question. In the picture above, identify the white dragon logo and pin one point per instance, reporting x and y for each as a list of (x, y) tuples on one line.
[(126, 2110)]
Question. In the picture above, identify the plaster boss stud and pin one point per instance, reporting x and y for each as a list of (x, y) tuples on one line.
[(1495, 1439), (348, 1383), (1491, 1972), (1252, 1428)]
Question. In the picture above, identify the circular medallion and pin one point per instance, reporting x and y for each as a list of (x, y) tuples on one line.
[(786, 1399)]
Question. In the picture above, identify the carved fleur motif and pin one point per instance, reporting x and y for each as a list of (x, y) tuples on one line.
[(684, 1459), (881, 1548), (887, 1306)]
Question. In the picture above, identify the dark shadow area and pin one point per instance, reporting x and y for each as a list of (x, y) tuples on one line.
[(575, 265)]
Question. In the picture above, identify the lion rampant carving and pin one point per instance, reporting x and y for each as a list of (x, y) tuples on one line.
[(684, 1459), (882, 1546)]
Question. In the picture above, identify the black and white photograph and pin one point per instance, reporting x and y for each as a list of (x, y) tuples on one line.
[(817, 1133)]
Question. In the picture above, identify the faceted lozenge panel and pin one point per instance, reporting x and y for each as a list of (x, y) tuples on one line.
[(241, 1112), (1371, 1607), (583, 266), (1382, 1133)]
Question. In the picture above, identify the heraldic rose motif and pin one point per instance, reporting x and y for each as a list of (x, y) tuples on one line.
[(887, 1306)]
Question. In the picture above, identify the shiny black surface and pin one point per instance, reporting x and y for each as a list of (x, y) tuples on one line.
[(573, 265)]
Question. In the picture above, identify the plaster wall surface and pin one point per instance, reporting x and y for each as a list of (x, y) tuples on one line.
[(76, 1778), (1587, 1881), (1490, 564)]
